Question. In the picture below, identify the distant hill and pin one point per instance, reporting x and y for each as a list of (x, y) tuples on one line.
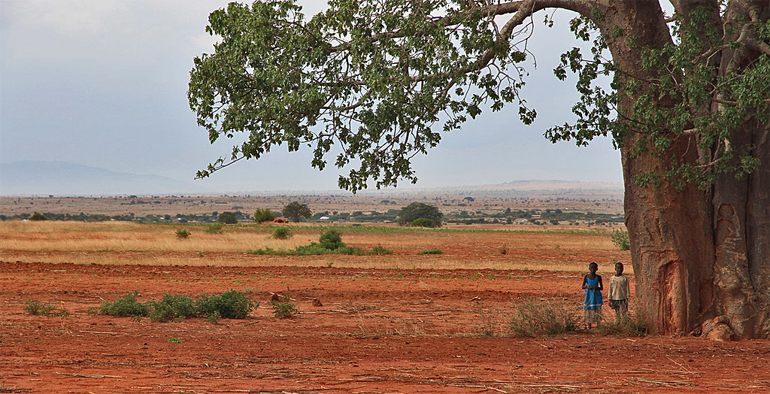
[(25, 178), (531, 187)]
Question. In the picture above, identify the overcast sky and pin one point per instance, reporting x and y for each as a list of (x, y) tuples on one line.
[(103, 83)]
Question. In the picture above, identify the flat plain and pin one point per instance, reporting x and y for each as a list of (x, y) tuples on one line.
[(399, 323)]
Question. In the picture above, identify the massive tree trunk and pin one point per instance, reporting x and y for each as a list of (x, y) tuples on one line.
[(700, 256)]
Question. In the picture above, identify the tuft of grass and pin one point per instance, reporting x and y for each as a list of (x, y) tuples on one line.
[(38, 308), (431, 251), (537, 317), (283, 308), (379, 250), (182, 233), (633, 325), (217, 228)]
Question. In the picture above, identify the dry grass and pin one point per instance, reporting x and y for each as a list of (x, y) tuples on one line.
[(146, 244)]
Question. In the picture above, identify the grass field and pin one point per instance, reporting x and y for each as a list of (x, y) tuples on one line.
[(502, 247)]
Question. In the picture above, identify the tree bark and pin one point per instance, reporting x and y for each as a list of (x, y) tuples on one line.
[(698, 255)]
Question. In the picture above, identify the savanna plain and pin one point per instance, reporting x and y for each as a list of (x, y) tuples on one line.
[(407, 322)]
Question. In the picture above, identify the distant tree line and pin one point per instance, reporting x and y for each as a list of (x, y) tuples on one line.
[(547, 216)]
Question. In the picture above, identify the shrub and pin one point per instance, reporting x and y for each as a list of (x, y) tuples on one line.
[(620, 239), (283, 309), (182, 233), (423, 222), (267, 252), (282, 233), (172, 308), (533, 317), (263, 215), (123, 307), (331, 240), (38, 308), (38, 216), (215, 229), (431, 251), (230, 305), (379, 250)]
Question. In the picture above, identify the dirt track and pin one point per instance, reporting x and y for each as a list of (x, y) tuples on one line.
[(376, 331)]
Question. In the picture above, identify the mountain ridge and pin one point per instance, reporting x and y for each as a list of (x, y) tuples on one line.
[(33, 178)]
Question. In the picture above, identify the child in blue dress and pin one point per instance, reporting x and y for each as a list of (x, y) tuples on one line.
[(592, 303)]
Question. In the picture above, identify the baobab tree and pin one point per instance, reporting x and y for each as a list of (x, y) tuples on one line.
[(374, 83)]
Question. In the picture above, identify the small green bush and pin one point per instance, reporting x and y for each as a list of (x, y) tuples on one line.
[(38, 216), (172, 308), (215, 229), (182, 233), (284, 309), (534, 317), (379, 250), (124, 307), (431, 251), (282, 233), (263, 215), (331, 240), (267, 252), (38, 308), (620, 239), (230, 305)]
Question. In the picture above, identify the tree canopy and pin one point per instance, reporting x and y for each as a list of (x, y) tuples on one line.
[(418, 210), (296, 211)]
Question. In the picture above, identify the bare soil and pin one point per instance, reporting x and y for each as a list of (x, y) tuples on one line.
[(360, 330)]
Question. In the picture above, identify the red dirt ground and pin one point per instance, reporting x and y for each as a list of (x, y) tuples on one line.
[(376, 331)]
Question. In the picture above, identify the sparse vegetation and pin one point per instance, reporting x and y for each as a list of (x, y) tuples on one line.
[(431, 251), (38, 308), (182, 233), (262, 215), (283, 308), (632, 326), (228, 305), (215, 229), (536, 317), (127, 306), (172, 307), (620, 239), (330, 242), (282, 233)]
